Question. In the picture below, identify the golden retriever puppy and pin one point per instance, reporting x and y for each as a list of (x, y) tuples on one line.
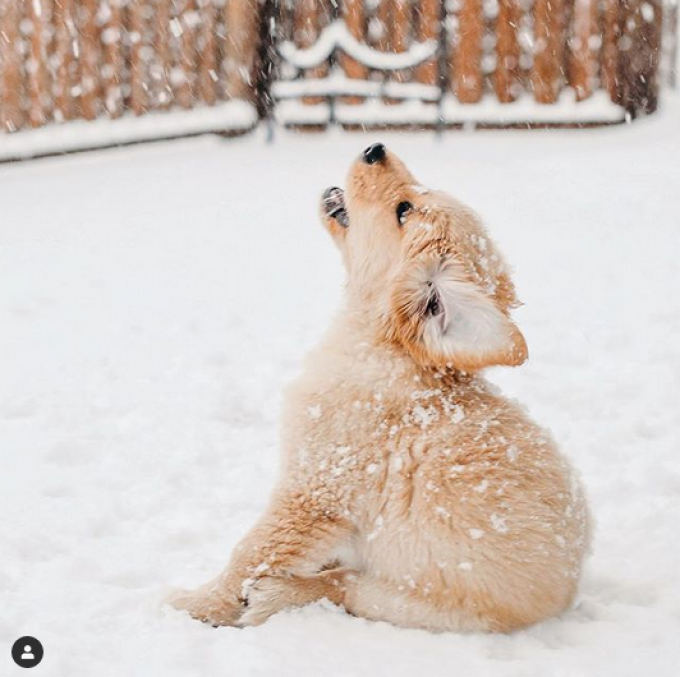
[(411, 490)]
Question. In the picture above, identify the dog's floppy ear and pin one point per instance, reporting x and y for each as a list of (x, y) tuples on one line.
[(444, 319)]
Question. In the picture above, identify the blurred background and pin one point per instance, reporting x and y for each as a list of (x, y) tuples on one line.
[(309, 64)]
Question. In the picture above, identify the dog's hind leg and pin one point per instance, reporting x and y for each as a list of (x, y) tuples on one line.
[(377, 599), (361, 595)]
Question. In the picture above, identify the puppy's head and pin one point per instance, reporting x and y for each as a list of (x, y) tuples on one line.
[(422, 268)]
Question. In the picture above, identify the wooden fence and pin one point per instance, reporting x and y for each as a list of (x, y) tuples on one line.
[(548, 51), (62, 60), (67, 59)]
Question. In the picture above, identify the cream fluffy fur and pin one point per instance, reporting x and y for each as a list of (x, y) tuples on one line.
[(411, 490)]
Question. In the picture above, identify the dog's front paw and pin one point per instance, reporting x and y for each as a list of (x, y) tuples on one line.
[(267, 596), (207, 606), (270, 594), (333, 206)]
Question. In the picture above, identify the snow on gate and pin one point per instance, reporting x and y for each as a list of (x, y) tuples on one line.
[(518, 62)]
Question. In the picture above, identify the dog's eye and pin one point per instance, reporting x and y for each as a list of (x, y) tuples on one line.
[(403, 208)]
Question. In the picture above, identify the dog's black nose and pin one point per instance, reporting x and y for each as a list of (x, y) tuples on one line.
[(374, 153)]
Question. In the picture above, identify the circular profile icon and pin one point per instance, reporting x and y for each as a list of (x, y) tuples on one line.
[(27, 652)]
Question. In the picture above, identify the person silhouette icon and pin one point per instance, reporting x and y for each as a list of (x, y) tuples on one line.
[(27, 652)]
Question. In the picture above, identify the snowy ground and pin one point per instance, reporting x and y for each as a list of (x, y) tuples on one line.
[(153, 302)]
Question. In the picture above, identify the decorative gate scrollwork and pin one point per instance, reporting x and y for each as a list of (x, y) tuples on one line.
[(422, 62)]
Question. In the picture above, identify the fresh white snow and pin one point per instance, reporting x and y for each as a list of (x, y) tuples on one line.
[(155, 300)]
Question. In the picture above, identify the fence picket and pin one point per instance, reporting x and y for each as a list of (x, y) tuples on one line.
[(309, 22), (468, 83), (611, 30), (186, 23), (401, 33), (163, 94), (381, 37), (138, 80), (355, 18), (64, 40), (637, 65), (112, 44), (89, 53), (38, 76), (428, 12), (207, 53), (241, 20), (11, 92), (583, 62), (506, 78), (546, 76)]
